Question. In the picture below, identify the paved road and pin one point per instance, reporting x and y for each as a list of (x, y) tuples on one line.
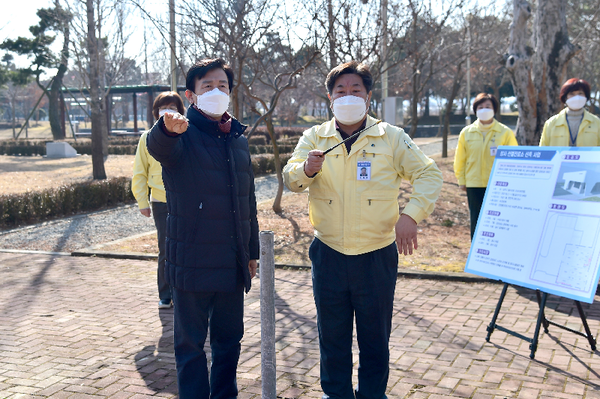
[(89, 328), (434, 147)]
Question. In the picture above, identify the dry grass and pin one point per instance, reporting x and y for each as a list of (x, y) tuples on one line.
[(444, 239), (21, 174)]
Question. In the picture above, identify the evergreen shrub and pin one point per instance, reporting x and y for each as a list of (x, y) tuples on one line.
[(36, 206)]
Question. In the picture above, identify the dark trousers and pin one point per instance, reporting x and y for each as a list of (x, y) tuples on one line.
[(347, 287), (475, 198), (194, 313), (159, 212)]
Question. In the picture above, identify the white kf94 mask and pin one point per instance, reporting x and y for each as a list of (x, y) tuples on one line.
[(485, 114), (349, 110), (214, 102), (576, 102)]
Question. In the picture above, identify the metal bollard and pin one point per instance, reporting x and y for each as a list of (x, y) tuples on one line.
[(267, 315)]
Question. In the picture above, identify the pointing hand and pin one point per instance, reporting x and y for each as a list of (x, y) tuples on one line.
[(175, 122)]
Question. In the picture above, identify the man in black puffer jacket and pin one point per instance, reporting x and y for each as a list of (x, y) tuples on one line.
[(212, 229)]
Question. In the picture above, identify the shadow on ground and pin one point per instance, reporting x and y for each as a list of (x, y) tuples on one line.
[(156, 363)]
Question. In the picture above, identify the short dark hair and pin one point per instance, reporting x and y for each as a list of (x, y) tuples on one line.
[(202, 67), (483, 97), (352, 67), (574, 84), (166, 98)]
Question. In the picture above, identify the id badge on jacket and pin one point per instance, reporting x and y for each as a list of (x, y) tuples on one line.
[(363, 170)]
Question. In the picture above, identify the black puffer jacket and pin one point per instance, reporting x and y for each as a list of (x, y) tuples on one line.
[(212, 229)]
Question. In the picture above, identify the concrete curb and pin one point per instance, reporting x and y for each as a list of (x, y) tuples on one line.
[(405, 274), (408, 274), (114, 255), (28, 252)]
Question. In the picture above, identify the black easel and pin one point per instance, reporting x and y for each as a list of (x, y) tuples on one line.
[(533, 342)]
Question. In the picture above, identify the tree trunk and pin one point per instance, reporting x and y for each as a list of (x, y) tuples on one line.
[(414, 102), (104, 95), (331, 36), (278, 170), (14, 117), (235, 94), (98, 117), (448, 111), (496, 90), (538, 73)]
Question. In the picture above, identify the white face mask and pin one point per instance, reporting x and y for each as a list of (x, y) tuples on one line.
[(485, 114), (349, 110), (576, 102), (214, 102), (166, 111)]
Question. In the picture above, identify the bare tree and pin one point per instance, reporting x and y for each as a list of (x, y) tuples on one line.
[(487, 41), (56, 20), (275, 69), (537, 63), (249, 35), (447, 82), (101, 33), (349, 35), (230, 29), (425, 42), (99, 129), (582, 20), (13, 81)]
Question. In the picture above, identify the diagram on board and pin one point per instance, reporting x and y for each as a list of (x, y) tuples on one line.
[(578, 181), (568, 252)]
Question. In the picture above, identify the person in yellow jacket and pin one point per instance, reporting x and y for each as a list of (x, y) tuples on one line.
[(574, 126), (476, 151), (147, 174), (359, 229)]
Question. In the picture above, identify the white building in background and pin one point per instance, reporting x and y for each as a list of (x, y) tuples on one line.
[(575, 182)]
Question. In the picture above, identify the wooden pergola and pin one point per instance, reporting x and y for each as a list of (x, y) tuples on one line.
[(150, 90)]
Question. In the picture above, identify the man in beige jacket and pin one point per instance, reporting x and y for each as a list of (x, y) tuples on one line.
[(359, 230)]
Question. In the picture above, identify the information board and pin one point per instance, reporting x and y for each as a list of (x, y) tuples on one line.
[(539, 225)]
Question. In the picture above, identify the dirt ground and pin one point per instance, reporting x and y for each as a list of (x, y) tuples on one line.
[(21, 174), (444, 239)]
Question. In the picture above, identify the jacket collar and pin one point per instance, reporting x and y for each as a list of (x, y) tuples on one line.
[(562, 117), (328, 129), (206, 125), (494, 128)]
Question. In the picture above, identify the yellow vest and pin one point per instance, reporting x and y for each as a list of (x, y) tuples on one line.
[(556, 131), (147, 172), (473, 159), (356, 216)]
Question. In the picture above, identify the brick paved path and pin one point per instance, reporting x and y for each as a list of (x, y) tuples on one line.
[(89, 328)]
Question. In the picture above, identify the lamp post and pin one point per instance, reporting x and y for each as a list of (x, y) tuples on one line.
[(468, 118), (384, 73), (173, 54)]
